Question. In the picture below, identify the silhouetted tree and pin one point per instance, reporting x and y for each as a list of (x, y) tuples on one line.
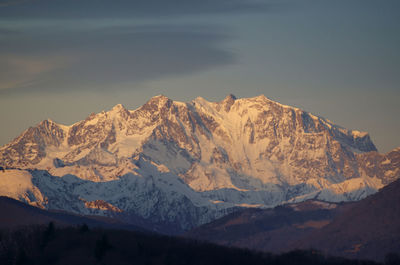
[(392, 259), (50, 230), (48, 234), (84, 228), (22, 258), (102, 246)]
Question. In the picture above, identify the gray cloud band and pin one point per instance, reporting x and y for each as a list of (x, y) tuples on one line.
[(123, 8), (91, 60)]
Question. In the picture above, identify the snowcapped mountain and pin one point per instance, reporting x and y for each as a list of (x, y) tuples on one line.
[(184, 164)]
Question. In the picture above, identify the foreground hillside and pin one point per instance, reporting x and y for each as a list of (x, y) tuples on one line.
[(368, 229), (49, 245), (267, 230), (182, 164), (15, 214)]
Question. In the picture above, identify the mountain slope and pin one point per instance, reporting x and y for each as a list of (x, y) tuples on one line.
[(272, 230), (200, 160), (367, 229)]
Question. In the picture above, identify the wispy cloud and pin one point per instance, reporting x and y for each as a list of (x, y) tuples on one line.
[(48, 45), (111, 56), (18, 71), (124, 8), (4, 3)]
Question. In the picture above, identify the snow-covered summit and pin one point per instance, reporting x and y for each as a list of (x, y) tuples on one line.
[(234, 152)]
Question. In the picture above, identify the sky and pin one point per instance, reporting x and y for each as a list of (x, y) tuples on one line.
[(64, 59)]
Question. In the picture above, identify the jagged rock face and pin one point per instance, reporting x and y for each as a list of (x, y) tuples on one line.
[(383, 166), (236, 152), (258, 138), (29, 148)]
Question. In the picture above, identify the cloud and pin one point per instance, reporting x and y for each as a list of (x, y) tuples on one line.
[(4, 3), (118, 56), (5, 32), (58, 45), (124, 8), (18, 71)]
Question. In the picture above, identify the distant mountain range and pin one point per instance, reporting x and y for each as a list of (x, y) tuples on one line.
[(367, 229), (176, 165)]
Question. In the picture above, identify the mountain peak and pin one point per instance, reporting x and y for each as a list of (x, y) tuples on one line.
[(263, 98), (156, 103), (116, 111), (230, 97), (118, 107), (228, 101), (160, 97), (47, 121)]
